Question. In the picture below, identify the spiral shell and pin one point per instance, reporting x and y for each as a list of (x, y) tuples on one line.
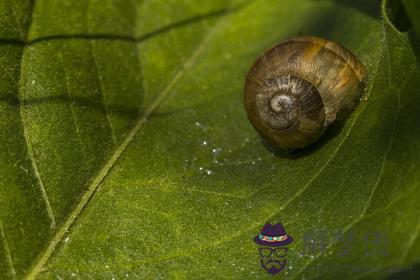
[(299, 87)]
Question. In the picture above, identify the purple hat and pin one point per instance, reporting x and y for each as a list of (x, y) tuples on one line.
[(273, 235)]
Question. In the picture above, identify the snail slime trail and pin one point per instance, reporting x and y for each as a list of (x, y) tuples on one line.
[(296, 89)]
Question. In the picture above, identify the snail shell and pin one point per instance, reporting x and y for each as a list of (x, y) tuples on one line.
[(299, 87)]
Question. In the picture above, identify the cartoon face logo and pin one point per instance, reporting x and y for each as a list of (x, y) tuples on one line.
[(273, 254)]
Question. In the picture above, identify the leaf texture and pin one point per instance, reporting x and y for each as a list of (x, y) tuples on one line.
[(126, 152)]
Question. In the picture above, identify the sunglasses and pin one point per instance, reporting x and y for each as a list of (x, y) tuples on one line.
[(268, 252)]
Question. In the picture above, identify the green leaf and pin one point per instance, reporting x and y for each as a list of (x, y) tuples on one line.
[(126, 152), (412, 8)]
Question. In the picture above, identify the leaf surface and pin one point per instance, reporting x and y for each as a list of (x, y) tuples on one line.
[(127, 152)]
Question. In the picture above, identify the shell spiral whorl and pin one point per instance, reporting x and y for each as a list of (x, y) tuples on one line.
[(284, 106), (297, 88)]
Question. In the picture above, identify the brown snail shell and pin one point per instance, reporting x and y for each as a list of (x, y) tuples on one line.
[(299, 87)]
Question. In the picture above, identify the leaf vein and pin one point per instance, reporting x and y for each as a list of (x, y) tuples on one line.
[(28, 142), (97, 181), (102, 90), (389, 146), (70, 103), (276, 211), (7, 250), (100, 79)]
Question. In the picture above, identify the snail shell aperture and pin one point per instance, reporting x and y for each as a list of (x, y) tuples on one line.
[(299, 87)]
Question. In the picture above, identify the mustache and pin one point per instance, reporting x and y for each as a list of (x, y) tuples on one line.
[(273, 266)]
